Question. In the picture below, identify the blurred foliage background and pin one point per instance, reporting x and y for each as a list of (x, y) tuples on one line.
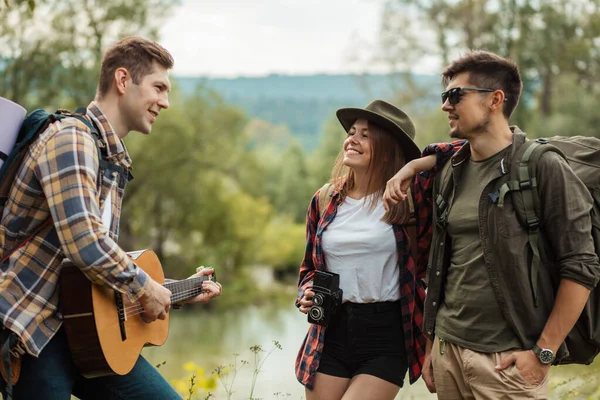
[(220, 182), (228, 172)]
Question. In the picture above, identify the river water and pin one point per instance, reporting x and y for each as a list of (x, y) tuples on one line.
[(199, 339)]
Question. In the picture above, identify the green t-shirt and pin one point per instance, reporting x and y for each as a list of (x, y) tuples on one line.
[(470, 315)]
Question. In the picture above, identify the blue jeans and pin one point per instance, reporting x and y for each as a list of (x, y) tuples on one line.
[(54, 376)]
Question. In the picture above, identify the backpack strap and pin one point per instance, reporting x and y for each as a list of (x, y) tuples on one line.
[(101, 147), (526, 199), (80, 114), (104, 164), (327, 189), (324, 196), (442, 199), (411, 226), (61, 113)]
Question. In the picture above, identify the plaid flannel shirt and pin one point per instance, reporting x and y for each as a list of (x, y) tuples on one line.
[(59, 178), (412, 272)]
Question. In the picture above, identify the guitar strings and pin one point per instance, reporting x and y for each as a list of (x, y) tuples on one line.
[(133, 311), (188, 293), (137, 307), (174, 299)]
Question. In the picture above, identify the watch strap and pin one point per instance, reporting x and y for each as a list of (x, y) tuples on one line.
[(537, 350)]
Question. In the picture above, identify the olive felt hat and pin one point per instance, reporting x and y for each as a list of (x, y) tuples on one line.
[(388, 117)]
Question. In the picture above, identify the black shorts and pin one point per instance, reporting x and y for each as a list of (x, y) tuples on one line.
[(366, 339)]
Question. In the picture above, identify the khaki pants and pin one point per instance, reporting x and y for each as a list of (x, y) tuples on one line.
[(461, 373)]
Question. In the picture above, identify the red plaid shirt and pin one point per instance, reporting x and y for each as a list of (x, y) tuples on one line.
[(412, 277)]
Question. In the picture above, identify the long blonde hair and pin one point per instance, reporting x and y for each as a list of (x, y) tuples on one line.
[(387, 158)]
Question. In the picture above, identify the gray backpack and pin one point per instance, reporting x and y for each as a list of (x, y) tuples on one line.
[(583, 155)]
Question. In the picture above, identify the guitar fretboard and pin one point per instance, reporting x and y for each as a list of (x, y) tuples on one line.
[(186, 288)]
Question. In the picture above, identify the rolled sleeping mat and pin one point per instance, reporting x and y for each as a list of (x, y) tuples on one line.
[(11, 119)]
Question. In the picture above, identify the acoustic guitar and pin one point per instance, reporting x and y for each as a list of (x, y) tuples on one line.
[(104, 329)]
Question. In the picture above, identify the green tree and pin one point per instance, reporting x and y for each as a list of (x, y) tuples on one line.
[(189, 203), (283, 244), (324, 156), (578, 112), (50, 51), (16, 3), (267, 143), (294, 190), (548, 39)]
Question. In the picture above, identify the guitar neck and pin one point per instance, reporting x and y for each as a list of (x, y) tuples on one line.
[(186, 288)]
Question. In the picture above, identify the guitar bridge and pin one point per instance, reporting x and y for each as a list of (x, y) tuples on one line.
[(121, 314)]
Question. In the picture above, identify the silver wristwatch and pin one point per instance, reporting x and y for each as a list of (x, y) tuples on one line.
[(546, 356)]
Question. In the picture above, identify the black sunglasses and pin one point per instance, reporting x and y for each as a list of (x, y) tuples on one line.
[(454, 95)]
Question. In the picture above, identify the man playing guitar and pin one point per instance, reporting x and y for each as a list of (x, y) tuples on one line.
[(65, 202)]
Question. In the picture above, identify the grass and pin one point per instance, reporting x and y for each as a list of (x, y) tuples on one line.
[(201, 386)]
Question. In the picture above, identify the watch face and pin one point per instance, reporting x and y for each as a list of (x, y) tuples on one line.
[(546, 356)]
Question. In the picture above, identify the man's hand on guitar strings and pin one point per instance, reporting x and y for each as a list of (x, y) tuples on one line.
[(156, 301), (210, 288)]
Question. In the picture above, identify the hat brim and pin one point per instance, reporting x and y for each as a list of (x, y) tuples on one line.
[(347, 117)]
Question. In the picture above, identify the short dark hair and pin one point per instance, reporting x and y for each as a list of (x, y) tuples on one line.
[(137, 55), (489, 70)]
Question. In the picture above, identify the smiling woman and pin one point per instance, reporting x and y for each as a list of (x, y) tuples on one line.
[(364, 340), (357, 147)]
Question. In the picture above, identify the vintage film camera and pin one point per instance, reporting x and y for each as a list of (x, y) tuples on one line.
[(327, 299)]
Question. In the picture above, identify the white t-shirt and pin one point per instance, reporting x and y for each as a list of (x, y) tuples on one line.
[(361, 248), (107, 212)]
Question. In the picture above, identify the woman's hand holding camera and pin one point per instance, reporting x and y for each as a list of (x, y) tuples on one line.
[(306, 301)]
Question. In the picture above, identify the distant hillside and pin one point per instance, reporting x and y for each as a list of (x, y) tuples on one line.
[(305, 103)]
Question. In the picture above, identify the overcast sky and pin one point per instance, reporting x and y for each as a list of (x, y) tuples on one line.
[(227, 38)]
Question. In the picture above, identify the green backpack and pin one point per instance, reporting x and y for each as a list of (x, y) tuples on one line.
[(33, 125), (583, 155)]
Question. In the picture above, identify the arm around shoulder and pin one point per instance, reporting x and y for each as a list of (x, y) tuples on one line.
[(442, 152)]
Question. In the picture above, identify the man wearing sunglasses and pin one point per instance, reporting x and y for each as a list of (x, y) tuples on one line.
[(494, 332)]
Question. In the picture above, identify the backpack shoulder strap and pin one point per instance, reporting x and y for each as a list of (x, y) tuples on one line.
[(33, 125), (525, 197), (442, 197), (80, 115), (411, 226), (411, 202), (324, 196)]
